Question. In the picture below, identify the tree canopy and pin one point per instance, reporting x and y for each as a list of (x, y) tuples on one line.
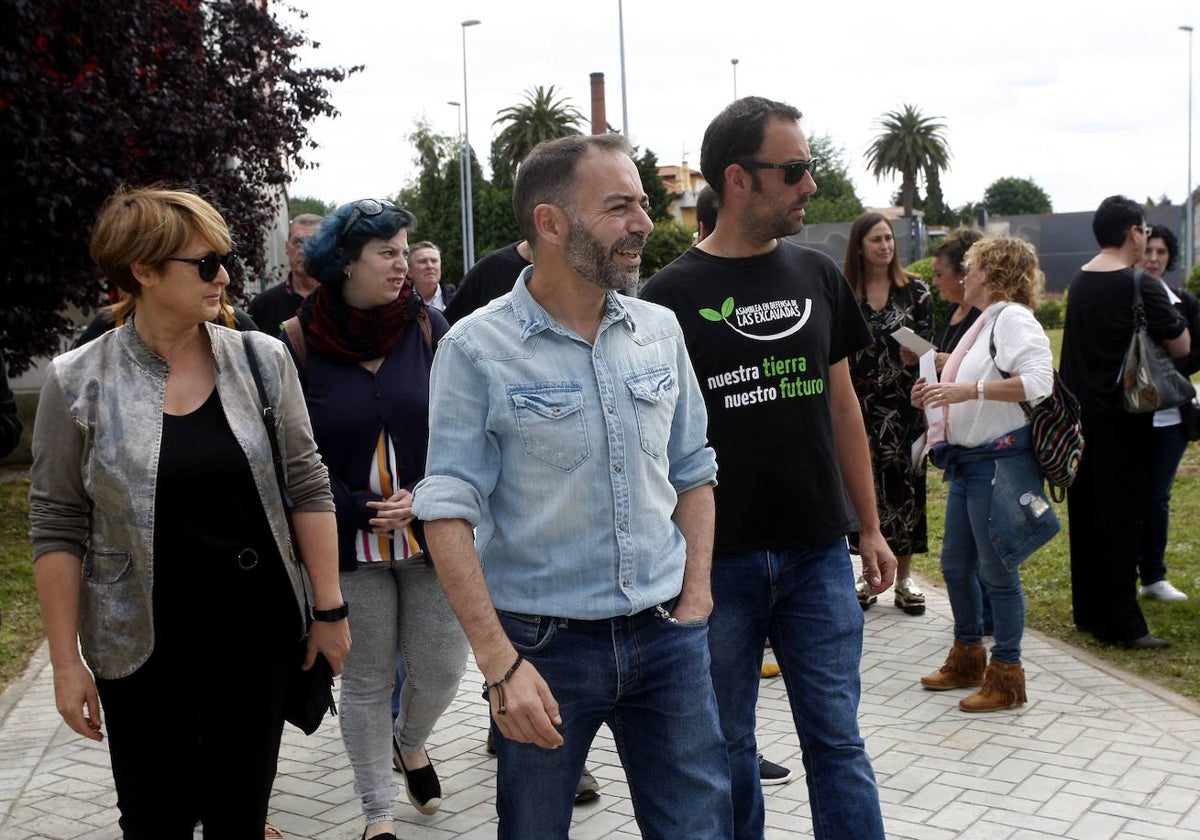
[(1016, 197), (540, 117), (835, 199), (205, 95), (910, 145)]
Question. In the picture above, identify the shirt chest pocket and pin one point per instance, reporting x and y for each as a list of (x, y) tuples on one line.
[(550, 420), (654, 394)]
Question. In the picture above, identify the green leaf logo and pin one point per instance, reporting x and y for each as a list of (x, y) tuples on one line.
[(714, 315)]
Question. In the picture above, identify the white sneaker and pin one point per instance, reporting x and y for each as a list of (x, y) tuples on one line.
[(1162, 591)]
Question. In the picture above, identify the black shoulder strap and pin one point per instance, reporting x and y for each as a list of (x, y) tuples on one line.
[(268, 415), (1139, 307), (992, 343)]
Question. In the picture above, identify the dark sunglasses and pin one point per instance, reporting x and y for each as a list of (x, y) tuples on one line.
[(793, 172), (208, 265), (365, 209)]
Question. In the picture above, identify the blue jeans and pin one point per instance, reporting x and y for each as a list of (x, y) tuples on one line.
[(804, 600), (1167, 446), (648, 678), (969, 557)]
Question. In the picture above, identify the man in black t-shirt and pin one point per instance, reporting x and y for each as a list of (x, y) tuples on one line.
[(769, 326), (488, 279), (273, 306)]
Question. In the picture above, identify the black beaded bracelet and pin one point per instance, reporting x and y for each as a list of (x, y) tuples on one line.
[(501, 708), (335, 614)]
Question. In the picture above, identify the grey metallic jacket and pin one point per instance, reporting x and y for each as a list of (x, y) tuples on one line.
[(96, 442)]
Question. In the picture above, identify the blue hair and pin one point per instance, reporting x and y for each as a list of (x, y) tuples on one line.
[(329, 251)]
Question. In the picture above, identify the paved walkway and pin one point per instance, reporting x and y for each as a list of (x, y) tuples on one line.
[(1094, 754)]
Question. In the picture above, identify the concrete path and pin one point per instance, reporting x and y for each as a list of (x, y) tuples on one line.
[(1095, 755)]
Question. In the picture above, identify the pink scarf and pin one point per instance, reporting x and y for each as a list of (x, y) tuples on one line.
[(937, 431)]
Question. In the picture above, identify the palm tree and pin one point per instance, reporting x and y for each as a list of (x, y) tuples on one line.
[(539, 118), (910, 144)]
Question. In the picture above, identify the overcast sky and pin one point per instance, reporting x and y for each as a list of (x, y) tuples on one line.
[(1083, 97)]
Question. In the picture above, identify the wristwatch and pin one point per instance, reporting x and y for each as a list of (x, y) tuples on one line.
[(335, 614)]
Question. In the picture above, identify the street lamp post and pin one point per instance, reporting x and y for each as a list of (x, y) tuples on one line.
[(1190, 235), (734, 62), (462, 183), (469, 215), (624, 102)]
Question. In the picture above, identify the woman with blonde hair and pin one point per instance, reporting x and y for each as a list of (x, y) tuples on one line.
[(160, 535), (996, 511), (883, 375)]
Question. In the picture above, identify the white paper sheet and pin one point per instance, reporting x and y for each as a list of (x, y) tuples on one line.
[(909, 340), (929, 372)]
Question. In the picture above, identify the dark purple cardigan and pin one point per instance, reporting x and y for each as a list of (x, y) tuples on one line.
[(349, 405)]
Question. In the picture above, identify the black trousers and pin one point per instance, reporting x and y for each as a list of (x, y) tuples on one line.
[(194, 732), (1105, 505)]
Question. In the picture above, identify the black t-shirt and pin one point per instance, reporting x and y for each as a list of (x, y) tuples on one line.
[(273, 306), (762, 333), (207, 517), (1098, 329), (488, 279), (948, 336)]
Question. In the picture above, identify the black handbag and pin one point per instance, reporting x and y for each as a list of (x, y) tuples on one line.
[(309, 694), (1149, 379)]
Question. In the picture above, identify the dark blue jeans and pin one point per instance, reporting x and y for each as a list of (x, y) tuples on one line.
[(804, 601), (1167, 445), (648, 678)]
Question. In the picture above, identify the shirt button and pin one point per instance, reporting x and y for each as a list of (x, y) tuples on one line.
[(609, 409), (623, 527), (616, 468), (625, 582)]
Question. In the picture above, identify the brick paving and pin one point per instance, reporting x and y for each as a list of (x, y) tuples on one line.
[(1095, 755)]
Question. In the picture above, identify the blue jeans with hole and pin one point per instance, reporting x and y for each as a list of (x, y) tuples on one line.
[(804, 601), (969, 556), (648, 679)]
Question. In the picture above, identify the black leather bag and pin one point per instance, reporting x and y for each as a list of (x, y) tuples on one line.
[(309, 694), (1149, 379)]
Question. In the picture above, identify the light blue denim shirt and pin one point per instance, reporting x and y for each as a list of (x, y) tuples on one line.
[(569, 458)]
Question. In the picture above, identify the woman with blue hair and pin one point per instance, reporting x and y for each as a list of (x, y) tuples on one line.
[(364, 344)]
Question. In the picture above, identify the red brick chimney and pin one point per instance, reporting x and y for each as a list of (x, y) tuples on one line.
[(599, 120)]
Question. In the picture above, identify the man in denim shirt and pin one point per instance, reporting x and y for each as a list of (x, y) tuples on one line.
[(568, 427)]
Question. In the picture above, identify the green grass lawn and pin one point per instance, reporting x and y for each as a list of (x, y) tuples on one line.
[(21, 627)]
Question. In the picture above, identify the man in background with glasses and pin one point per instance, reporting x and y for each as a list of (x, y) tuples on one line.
[(275, 305), (769, 326)]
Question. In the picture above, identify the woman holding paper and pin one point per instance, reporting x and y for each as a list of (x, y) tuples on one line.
[(950, 275), (996, 512), (883, 376)]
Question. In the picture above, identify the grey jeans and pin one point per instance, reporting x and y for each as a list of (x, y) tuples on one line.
[(396, 606)]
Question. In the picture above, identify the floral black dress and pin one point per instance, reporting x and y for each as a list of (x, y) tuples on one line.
[(884, 386)]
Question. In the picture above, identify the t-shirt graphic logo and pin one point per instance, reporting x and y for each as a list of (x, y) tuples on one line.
[(761, 313)]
